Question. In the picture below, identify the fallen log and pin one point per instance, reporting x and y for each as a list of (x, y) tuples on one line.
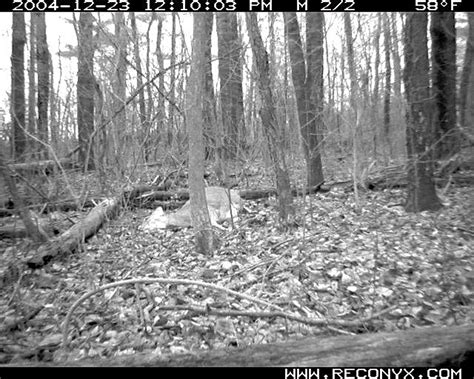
[(68, 241), (421, 347), (18, 230), (183, 195), (4, 212), (46, 166)]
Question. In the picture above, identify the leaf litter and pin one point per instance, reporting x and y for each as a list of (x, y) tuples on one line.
[(338, 262)]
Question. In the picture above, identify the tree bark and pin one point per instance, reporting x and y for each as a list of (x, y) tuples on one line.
[(205, 238), (32, 230), (42, 60), (32, 144), (421, 194), (160, 57), (120, 88), (271, 128), (421, 347), (308, 83), (85, 89), (466, 89), (230, 76), (315, 91), (443, 48), (71, 239), (397, 70), (17, 107), (210, 116), (353, 96), (388, 83), (172, 90), (142, 112)]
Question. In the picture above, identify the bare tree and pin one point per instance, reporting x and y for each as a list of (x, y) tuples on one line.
[(32, 87), (308, 82), (354, 91), (387, 42), (34, 232), (443, 49), (421, 194), (142, 113), (85, 89), (172, 90), (271, 128), (230, 76), (42, 60), (397, 70), (210, 123), (160, 57), (17, 108), (119, 84), (205, 238), (466, 89)]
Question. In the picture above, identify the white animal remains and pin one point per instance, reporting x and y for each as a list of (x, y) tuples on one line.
[(221, 203)]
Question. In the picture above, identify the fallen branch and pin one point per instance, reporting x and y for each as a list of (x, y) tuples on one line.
[(70, 240), (42, 166), (417, 347), (183, 195), (158, 280)]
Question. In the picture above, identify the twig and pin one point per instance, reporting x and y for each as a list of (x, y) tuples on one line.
[(289, 316), (158, 280)]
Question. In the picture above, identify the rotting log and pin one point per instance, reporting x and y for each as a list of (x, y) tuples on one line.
[(183, 195), (417, 347), (17, 229), (69, 241), (42, 166)]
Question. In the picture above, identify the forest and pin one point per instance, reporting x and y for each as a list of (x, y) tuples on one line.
[(244, 189)]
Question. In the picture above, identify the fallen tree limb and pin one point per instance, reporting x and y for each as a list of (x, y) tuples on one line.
[(421, 347), (69, 240), (183, 195), (42, 166), (18, 230)]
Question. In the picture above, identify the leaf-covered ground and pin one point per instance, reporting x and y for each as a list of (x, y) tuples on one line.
[(338, 269)]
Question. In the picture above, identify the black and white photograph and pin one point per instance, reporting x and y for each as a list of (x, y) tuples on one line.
[(238, 183)]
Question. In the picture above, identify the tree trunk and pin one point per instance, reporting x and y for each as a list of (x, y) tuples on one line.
[(17, 107), (388, 83), (308, 83), (160, 57), (53, 103), (378, 32), (416, 347), (32, 230), (421, 189), (142, 112), (315, 91), (42, 60), (205, 238), (269, 120), (210, 118), (443, 48), (172, 93), (85, 90), (397, 70), (466, 90), (120, 89), (32, 144), (230, 75), (354, 92)]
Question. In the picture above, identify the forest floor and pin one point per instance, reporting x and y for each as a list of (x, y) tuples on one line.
[(339, 269)]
